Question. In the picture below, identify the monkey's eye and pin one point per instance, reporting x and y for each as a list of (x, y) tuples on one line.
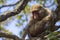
[(35, 12), (41, 11)]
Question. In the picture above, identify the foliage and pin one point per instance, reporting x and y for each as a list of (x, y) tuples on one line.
[(1, 1), (52, 35), (19, 21)]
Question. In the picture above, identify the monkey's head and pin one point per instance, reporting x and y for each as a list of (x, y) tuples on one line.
[(37, 11)]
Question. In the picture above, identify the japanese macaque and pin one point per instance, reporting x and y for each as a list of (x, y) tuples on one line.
[(33, 27)]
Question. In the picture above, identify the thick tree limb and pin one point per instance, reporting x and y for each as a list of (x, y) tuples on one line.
[(9, 5), (57, 11), (17, 11), (58, 35), (9, 36)]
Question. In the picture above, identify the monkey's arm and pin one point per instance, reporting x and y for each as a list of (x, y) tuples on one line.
[(26, 29)]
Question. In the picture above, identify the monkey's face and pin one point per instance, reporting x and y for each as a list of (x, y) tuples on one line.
[(35, 14), (38, 14), (38, 11)]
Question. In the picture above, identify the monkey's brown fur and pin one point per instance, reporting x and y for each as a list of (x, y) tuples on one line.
[(34, 26)]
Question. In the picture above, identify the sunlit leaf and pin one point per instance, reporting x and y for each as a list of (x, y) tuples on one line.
[(1, 1), (52, 35), (27, 9), (7, 31), (19, 16), (40, 1), (20, 33), (1, 27), (4, 30), (23, 20), (18, 25), (55, 2)]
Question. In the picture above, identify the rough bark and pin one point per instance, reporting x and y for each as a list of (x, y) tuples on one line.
[(21, 6)]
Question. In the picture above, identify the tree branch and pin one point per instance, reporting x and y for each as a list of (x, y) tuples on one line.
[(9, 36), (15, 12), (57, 11), (10, 5)]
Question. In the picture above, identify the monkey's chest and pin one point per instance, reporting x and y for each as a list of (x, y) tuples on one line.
[(35, 29)]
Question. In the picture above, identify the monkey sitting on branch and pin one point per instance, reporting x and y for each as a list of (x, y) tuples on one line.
[(40, 17)]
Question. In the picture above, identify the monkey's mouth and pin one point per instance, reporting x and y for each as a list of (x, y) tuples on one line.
[(36, 16)]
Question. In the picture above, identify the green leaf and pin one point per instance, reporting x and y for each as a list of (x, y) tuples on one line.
[(20, 33), (55, 2), (23, 20), (1, 1), (19, 16), (4, 30), (18, 25), (26, 10), (40, 1), (1, 28), (52, 35)]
